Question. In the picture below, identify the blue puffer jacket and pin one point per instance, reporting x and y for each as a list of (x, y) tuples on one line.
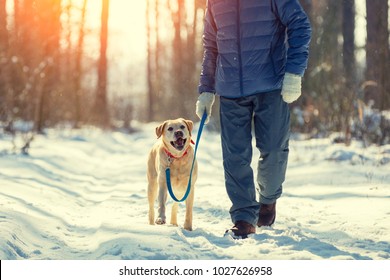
[(245, 45)]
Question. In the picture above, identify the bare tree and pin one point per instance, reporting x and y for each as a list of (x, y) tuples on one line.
[(49, 30), (3, 60), (173, 61), (186, 53), (349, 64), (149, 61), (377, 53), (78, 73), (3, 28), (326, 49), (100, 113), (178, 60), (158, 58)]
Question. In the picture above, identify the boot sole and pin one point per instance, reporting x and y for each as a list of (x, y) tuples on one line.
[(273, 221), (231, 234)]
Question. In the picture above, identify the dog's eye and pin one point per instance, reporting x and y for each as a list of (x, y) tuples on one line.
[(182, 127), (170, 128)]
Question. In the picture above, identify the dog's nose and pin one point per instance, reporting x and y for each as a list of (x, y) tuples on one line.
[(178, 133)]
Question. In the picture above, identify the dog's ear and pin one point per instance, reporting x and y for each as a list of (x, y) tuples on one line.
[(160, 129), (190, 125)]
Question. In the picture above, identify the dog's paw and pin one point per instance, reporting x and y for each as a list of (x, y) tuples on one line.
[(188, 227), (161, 221)]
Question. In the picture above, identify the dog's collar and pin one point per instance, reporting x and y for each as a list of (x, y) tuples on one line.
[(171, 156)]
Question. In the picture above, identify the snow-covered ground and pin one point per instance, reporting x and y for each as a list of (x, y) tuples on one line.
[(81, 194)]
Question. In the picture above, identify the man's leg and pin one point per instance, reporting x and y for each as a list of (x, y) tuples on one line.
[(236, 120), (272, 129)]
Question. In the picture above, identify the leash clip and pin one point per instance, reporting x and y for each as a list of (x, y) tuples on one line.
[(170, 160)]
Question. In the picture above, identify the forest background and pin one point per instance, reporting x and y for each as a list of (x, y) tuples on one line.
[(108, 63)]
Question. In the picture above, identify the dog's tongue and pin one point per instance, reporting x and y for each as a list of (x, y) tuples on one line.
[(180, 142)]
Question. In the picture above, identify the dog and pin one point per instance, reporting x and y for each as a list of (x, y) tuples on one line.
[(173, 149)]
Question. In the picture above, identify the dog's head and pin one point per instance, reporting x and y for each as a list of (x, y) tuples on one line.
[(175, 134)]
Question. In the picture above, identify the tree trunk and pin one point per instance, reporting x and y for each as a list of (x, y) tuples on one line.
[(349, 63), (326, 78), (149, 74), (3, 60), (3, 27), (49, 13), (158, 56), (349, 43), (377, 53), (101, 113), (78, 69), (179, 65)]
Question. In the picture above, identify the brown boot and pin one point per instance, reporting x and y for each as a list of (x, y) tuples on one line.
[(267, 214), (241, 230)]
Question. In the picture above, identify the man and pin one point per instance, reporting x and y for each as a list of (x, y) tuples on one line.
[(255, 53)]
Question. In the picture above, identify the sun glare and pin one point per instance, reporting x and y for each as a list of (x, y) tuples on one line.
[(127, 25)]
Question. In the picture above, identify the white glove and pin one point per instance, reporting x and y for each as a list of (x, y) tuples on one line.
[(291, 89), (205, 102)]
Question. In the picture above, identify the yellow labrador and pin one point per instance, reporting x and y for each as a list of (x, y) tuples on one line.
[(173, 149)]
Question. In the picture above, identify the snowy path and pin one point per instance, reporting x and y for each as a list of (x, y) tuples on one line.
[(82, 195)]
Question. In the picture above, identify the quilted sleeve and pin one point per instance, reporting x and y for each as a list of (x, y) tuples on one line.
[(207, 75), (292, 15)]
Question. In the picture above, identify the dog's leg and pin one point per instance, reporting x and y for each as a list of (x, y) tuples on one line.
[(175, 206), (189, 206), (152, 194), (152, 185), (162, 200)]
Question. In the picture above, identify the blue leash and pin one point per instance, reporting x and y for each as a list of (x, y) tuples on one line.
[(168, 170)]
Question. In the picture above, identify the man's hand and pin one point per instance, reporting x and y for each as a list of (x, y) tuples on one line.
[(291, 89), (205, 102)]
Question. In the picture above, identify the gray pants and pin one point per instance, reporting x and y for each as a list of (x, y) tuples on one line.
[(271, 118)]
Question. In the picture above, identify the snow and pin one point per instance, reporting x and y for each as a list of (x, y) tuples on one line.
[(81, 194)]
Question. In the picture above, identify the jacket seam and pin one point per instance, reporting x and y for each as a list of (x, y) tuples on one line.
[(239, 48)]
